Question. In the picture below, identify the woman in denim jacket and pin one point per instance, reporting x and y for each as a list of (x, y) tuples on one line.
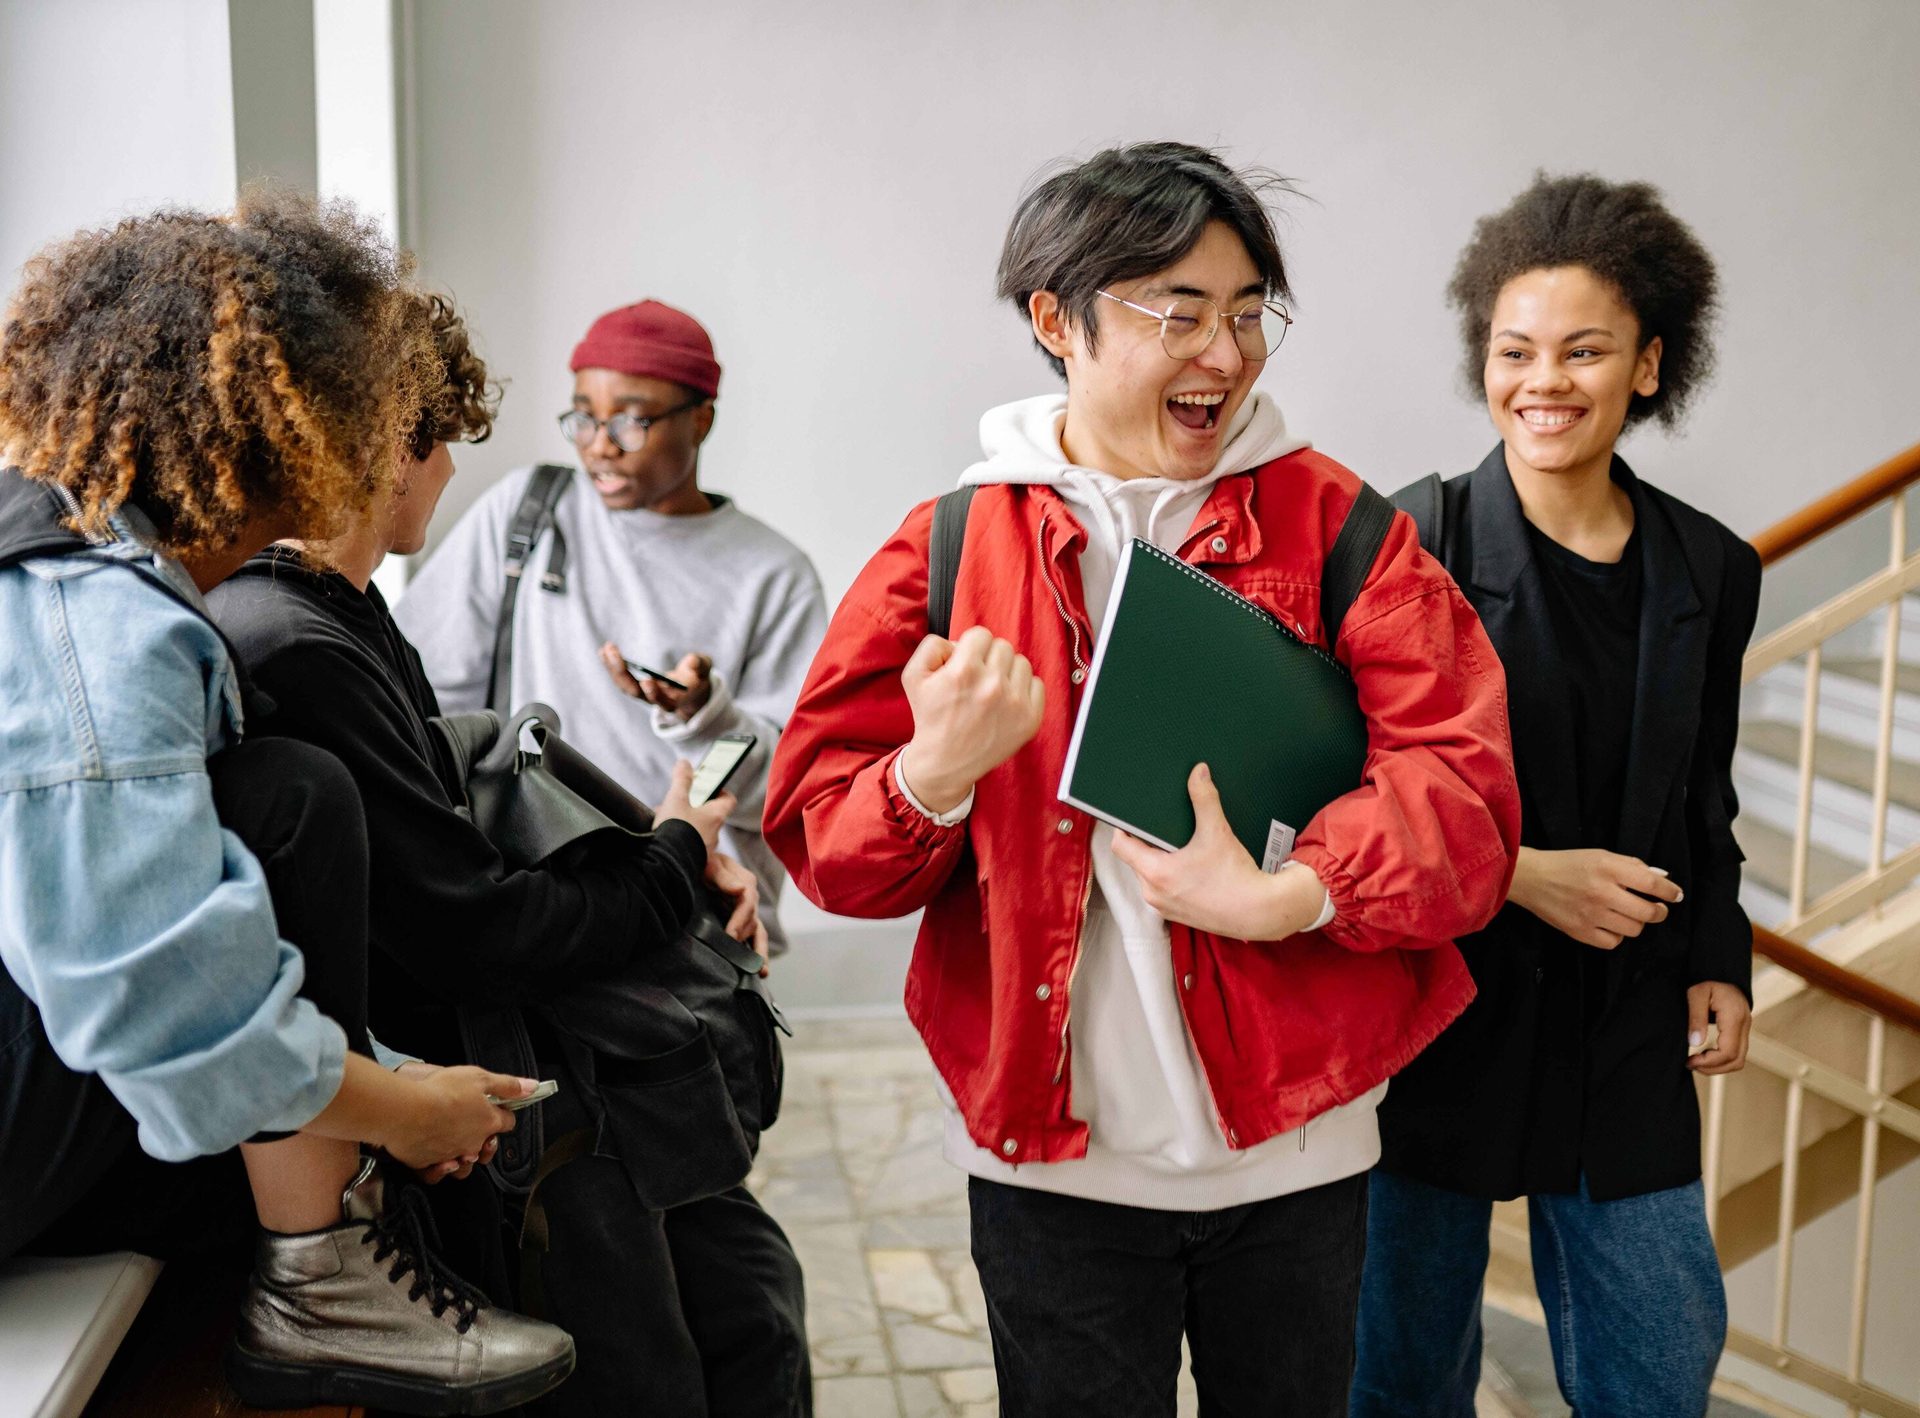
[(182, 916)]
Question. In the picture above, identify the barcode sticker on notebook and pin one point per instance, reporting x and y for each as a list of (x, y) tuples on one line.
[(1279, 846)]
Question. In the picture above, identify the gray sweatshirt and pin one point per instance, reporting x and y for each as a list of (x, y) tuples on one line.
[(721, 583)]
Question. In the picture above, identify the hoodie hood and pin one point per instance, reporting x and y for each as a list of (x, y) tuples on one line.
[(1021, 441)]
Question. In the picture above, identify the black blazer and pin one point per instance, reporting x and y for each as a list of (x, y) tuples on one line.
[(1572, 1060)]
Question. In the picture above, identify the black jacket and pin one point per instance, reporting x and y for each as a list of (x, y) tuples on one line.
[(1572, 1060), (450, 923)]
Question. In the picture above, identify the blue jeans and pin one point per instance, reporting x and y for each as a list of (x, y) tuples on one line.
[(1636, 1312)]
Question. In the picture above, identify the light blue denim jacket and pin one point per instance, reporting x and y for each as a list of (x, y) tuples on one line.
[(140, 927)]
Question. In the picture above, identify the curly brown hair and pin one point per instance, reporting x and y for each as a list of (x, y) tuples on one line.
[(463, 407), (1624, 234), (213, 369)]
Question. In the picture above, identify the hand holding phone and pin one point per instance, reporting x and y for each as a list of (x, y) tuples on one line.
[(717, 766), (640, 671)]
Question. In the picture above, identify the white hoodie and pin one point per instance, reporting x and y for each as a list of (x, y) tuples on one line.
[(1155, 1139)]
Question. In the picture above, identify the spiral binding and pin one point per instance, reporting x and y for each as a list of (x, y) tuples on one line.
[(1142, 544)]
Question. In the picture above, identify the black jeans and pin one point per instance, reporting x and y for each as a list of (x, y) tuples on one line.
[(1087, 1301), (698, 1311), (73, 1180)]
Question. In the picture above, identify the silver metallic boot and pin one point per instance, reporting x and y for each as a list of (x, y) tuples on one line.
[(363, 1312)]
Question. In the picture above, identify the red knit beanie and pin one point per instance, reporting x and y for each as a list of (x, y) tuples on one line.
[(651, 341)]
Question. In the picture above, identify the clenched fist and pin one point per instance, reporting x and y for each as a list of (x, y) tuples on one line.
[(975, 704)]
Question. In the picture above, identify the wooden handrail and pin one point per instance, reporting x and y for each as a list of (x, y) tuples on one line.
[(1838, 507), (1837, 980)]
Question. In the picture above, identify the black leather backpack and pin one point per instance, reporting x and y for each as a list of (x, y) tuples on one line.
[(681, 1047)]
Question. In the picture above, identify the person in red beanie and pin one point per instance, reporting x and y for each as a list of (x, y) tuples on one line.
[(654, 365), (633, 556), (652, 569)]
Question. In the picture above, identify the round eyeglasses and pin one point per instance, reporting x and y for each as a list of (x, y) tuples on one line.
[(1188, 325), (628, 431)]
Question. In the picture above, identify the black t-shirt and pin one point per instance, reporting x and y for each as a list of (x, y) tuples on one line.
[(1595, 609)]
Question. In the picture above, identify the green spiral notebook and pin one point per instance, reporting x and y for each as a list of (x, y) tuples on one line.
[(1188, 672)]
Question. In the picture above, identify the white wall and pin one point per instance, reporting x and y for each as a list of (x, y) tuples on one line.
[(826, 187), (108, 108)]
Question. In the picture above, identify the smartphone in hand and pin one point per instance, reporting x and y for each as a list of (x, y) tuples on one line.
[(717, 765), (640, 671)]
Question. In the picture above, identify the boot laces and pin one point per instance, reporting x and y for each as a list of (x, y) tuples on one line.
[(407, 1233)]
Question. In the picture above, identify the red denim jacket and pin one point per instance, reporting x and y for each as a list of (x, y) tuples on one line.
[(1420, 853)]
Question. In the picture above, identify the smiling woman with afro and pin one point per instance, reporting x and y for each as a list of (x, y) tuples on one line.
[(1619, 971)]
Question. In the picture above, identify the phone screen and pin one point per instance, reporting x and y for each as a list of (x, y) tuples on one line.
[(718, 765)]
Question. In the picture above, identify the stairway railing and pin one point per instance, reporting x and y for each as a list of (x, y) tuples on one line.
[(1805, 638), (1867, 1099), (1839, 507), (1849, 1081)]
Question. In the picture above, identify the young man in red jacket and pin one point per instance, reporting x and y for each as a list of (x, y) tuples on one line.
[(1161, 1067)]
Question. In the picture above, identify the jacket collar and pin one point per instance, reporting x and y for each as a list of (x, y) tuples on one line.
[(1227, 517), (1226, 531), (1674, 638), (33, 518), (1500, 547)]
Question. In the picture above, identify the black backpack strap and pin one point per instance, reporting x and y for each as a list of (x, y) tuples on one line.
[(1345, 570), (530, 519), (1425, 501), (943, 557)]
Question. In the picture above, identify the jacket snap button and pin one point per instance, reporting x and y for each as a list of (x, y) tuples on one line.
[(1186, 982), (1079, 676), (1219, 545), (1233, 1136), (1044, 992), (1009, 1147), (1539, 973), (1066, 824)]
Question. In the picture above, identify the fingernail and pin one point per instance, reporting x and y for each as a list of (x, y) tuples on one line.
[(1696, 1039), (1678, 896), (527, 1085), (1658, 871), (1206, 774)]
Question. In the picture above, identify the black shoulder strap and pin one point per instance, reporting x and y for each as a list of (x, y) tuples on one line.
[(1345, 570), (943, 557), (1425, 501), (530, 519)]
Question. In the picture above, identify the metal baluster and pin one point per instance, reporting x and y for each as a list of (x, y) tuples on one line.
[(1789, 1199), (1869, 1182), (1716, 1136), (1889, 686), (1803, 821)]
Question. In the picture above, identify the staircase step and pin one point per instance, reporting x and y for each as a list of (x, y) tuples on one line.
[(1769, 854), (1845, 762), (1906, 677)]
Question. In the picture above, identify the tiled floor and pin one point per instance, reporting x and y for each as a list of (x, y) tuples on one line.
[(853, 1170)]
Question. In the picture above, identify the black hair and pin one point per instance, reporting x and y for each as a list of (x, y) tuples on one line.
[(1623, 233), (1128, 212)]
